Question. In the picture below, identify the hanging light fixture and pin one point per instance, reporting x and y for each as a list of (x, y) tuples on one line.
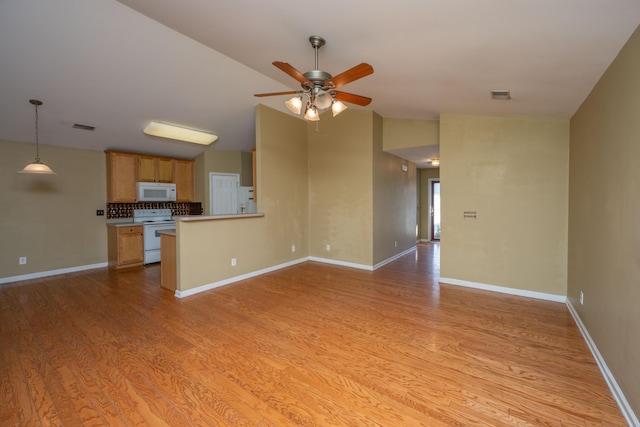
[(37, 166)]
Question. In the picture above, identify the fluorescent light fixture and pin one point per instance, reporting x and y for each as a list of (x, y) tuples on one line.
[(294, 104), (180, 133), (337, 107)]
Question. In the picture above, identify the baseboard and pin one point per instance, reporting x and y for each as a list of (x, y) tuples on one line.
[(627, 412), (393, 258), (203, 288), (51, 273), (504, 290), (341, 263)]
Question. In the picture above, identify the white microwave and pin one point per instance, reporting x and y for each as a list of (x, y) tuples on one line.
[(156, 192)]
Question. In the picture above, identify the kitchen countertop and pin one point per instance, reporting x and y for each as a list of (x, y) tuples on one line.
[(217, 217)]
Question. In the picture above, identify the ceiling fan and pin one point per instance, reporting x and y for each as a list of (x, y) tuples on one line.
[(319, 87)]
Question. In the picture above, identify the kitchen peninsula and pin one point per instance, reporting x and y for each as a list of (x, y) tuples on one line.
[(172, 243)]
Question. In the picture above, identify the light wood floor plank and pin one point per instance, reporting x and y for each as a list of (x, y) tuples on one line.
[(310, 345)]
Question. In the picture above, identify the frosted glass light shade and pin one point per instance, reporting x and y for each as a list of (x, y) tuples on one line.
[(37, 167), (180, 133), (337, 107), (312, 114), (294, 104)]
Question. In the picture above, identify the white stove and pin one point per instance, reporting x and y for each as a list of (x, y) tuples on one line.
[(153, 221)]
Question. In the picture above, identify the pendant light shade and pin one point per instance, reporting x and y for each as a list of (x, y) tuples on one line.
[(37, 166)]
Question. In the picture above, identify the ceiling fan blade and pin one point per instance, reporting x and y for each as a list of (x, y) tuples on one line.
[(355, 73), (351, 98), (289, 69), (290, 92)]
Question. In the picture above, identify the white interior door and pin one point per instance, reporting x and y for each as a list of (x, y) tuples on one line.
[(223, 188)]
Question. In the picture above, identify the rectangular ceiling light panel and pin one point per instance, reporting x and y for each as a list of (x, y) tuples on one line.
[(180, 133)]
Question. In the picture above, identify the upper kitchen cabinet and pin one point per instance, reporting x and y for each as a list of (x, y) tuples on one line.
[(155, 169), (183, 177), (122, 174)]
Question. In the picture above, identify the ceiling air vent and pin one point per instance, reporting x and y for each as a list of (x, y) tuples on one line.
[(83, 127), (501, 94)]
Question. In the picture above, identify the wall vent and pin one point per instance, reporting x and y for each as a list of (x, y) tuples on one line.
[(83, 127), (501, 94)]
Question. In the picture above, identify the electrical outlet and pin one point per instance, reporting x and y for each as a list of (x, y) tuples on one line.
[(100, 212), (581, 298), (328, 247), (293, 248), (22, 260), (233, 262)]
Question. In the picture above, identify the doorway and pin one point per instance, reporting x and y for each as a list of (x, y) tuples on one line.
[(434, 209), (223, 193)]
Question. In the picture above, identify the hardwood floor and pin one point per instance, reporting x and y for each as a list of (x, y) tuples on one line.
[(312, 344)]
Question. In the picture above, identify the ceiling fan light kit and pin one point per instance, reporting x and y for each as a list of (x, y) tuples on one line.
[(319, 87)]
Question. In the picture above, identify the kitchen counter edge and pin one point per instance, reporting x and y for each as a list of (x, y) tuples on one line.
[(216, 217)]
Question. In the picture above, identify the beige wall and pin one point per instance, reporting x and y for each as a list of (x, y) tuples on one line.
[(341, 187), (514, 174), (51, 219), (205, 249), (394, 200), (423, 184), (407, 133), (604, 217)]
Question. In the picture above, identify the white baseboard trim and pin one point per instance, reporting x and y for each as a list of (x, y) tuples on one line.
[(51, 273), (504, 290), (203, 288), (627, 412), (393, 258), (342, 263)]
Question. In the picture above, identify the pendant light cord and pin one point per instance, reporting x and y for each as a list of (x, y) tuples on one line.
[(37, 144)]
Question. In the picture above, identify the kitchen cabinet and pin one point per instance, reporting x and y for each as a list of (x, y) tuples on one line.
[(125, 169), (155, 169), (183, 177), (125, 246), (122, 174)]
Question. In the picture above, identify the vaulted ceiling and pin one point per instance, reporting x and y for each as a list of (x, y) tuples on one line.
[(116, 65)]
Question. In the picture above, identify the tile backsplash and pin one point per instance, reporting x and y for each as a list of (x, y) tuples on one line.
[(125, 210)]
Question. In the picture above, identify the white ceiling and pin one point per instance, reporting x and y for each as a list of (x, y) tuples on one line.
[(102, 63)]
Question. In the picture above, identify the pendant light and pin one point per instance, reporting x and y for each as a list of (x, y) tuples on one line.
[(37, 166)]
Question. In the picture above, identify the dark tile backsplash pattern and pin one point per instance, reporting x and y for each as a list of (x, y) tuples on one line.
[(125, 210)]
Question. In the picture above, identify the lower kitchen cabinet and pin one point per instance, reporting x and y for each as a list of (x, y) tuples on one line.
[(125, 246)]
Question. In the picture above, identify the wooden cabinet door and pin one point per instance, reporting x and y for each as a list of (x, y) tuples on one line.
[(122, 174), (155, 169), (146, 168), (184, 180), (130, 245), (164, 169)]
